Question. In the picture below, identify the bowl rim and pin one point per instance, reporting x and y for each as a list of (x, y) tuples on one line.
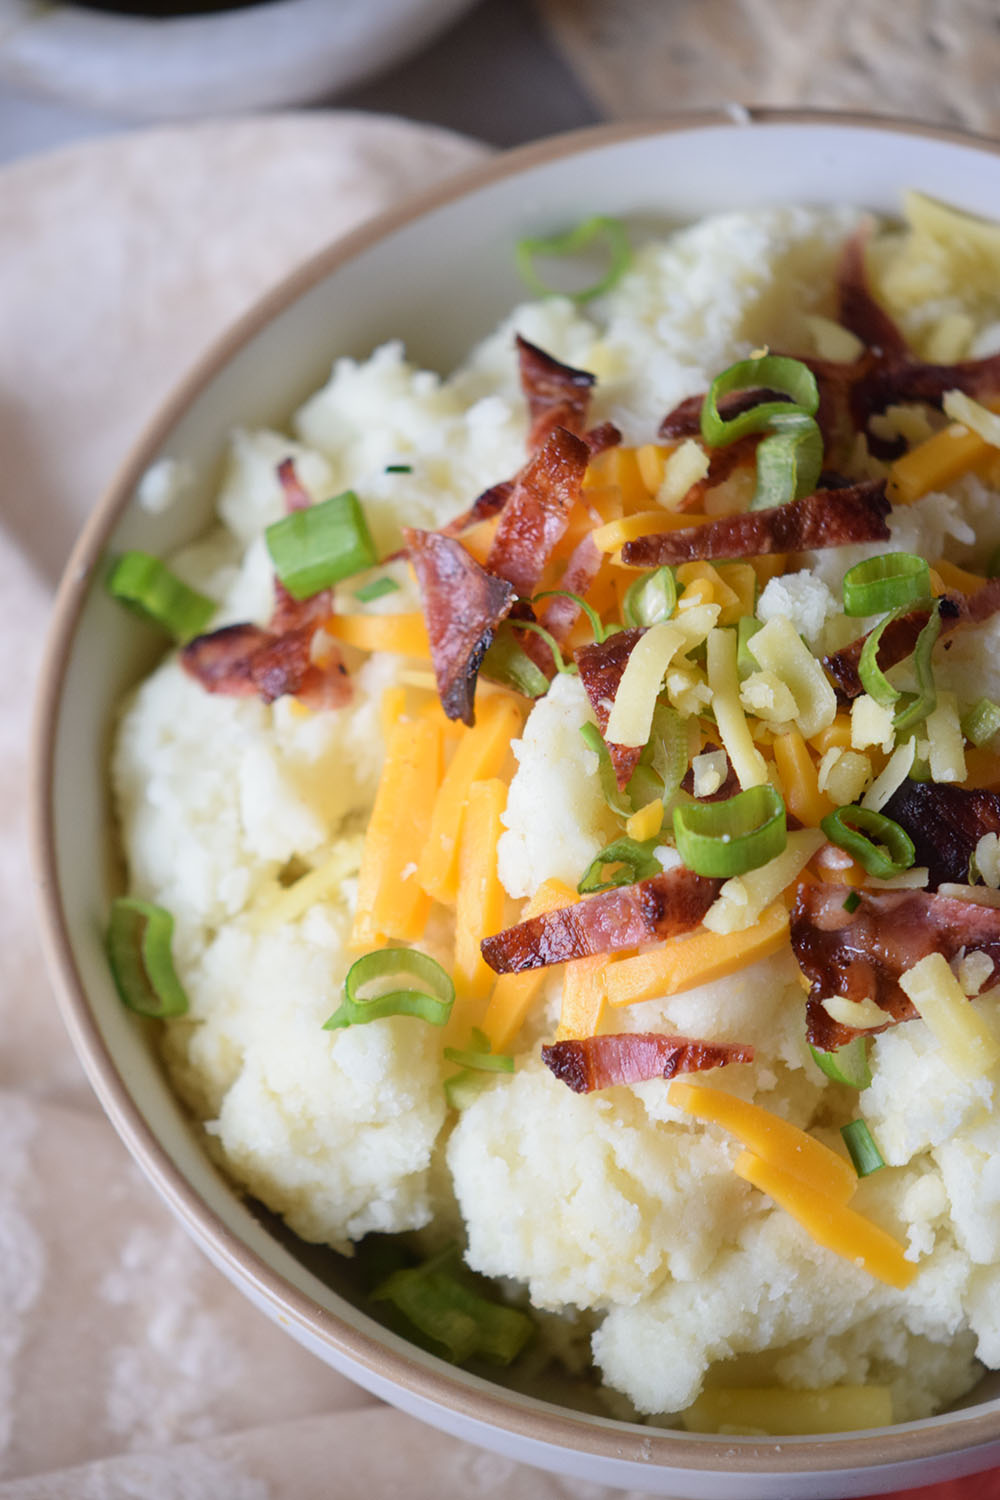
[(484, 1403)]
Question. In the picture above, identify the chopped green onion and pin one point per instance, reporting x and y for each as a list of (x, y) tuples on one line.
[(731, 837), (789, 462), (664, 759), (746, 662), (571, 243), (651, 599), (138, 946), (147, 587), (865, 1155), (847, 1064), (847, 827), (508, 663), (767, 372), (873, 679), (893, 581), (923, 702), (479, 1055), (981, 722), (852, 902), (563, 667), (432, 1003), (438, 1304), (617, 800), (636, 856), (464, 1088), (399, 468), (376, 590), (320, 545), (597, 625)]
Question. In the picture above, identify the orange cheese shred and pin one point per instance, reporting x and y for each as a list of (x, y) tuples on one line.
[(480, 905), (683, 963), (583, 998), (403, 634)]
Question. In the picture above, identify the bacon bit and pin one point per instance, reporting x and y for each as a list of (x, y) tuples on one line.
[(685, 419), (537, 513), (297, 497), (486, 505), (900, 636), (857, 309), (601, 666), (829, 518), (246, 661), (220, 661), (557, 395), (604, 435), (861, 954), (599, 1062), (560, 615), (463, 605), (661, 907), (730, 786), (945, 824)]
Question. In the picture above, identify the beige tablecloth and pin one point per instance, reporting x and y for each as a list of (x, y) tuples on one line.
[(128, 1366)]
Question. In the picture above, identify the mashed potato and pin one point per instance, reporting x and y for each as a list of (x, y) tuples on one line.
[(613, 1205)]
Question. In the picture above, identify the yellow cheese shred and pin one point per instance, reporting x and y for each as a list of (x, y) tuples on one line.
[(773, 1139), (831, 1224), (514, 994), (479, 756), (967, 1044), (723, 679), (391, 903), (683, 963), (583, 998), (403, 634)]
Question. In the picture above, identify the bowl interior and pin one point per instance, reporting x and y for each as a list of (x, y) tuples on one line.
[(438, 280)]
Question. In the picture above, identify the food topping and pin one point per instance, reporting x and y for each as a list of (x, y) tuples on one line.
[(599, 1062), (537, 513), (557, 395)]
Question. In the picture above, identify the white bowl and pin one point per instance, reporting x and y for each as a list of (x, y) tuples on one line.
[(438, 274)]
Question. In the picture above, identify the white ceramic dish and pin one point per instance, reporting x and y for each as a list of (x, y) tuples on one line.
[(438, 274)]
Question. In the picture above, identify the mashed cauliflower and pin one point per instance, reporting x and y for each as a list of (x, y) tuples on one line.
[(612, 1206)]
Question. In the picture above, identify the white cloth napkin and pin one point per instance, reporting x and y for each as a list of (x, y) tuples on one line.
[(128, 1365)]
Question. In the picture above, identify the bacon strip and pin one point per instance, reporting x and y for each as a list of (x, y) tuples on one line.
[(482, 508), (601, 667), (557, 395), (297, 497), (463, 605), (685, 419), (861, 954), (246, 661), (599, 1062), (560, 615), (537, 512), (829, 518), (945, 824), (661, 907)]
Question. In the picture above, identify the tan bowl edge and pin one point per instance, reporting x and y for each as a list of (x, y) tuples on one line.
[(492, 1405)]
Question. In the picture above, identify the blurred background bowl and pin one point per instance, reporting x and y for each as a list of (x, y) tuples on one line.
[(438, 274)]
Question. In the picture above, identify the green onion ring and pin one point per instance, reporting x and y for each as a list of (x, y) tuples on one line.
[(597, 625), (432, 1003), (896, 580), (924, 701), (728, 838), (865, 1155), (139, 952), (664, 760), (847, 1064), (320, 545), (847, 827), (616, 799), (651, 599), (570, 243), (563, 667), (437, 1303), (508, 663), (479, 1056), (375, 590), (768, 371), (873, 679), (981, 722), (147, 587), (789, 461), (637, 857)]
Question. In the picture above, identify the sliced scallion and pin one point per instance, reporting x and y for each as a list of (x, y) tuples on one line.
[(851, 902), (508, 663), (727, 838), (651, 599), (377, 589), (918, 705), (776, 372), (847, 1064), (664, 759), (597, 625), (746, 662), (849, 827), (864, 1153), (563, 667), (139, 952), (617, 800), (981, 722), (399, 468), (873, 679), (636, 858), (147, 587), (789, 461), (321, 545), (479, 1056), (464, 1088), (432, 1002), (572, 243), (445, 1310), (893, 581)]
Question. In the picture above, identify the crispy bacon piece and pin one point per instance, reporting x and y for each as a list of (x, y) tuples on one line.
[(557, 395), (829, 518), (861, 954), (608, 922), (482, 508), (604, 435), (601, 667), (560, 615), (945, 824), (463, 605), (221, 660), (598, 1062), (685, 419), (729, 787), (537, 512), (297, 497), (246, 661)]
